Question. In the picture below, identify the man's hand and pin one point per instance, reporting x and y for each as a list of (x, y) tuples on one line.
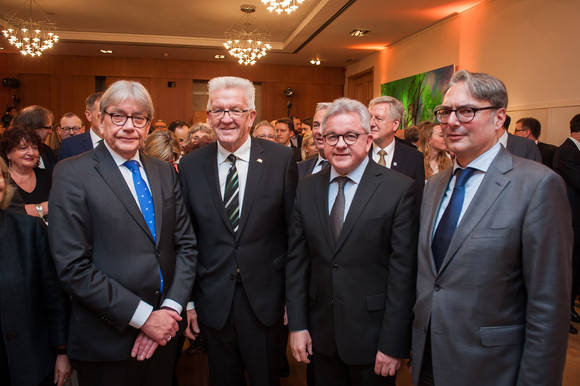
[(62, 370), (386, 365), (192, 330), (301, 345), (144, 347), (161, 325)]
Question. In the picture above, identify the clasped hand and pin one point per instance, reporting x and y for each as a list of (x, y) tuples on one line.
[(159, 328)]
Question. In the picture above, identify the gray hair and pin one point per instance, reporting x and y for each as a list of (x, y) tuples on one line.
[(482, 86), (344, 106), (224, 82), (397, 109), (322, 106), (123, 90), (203, 127)]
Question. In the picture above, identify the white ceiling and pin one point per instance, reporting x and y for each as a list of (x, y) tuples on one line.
[(194, 29)]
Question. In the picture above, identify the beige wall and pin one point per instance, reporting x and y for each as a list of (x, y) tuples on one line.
[(531, 45)]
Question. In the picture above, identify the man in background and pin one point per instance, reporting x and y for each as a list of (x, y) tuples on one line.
[(532, 129)]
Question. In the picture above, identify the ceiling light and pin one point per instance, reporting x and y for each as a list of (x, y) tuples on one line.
[(280, 6), (245, 41), (315, 62), (219, 56), (106, 51), (359, 32), (31, 37)]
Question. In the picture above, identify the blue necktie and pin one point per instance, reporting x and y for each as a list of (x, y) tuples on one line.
[(145, 201), (448, 223)]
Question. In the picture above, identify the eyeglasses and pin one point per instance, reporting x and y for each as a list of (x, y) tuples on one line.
[(75, 129), (139, 121), (44, 127), (516, 130), (219, 114), (464, 114), (348, 138)]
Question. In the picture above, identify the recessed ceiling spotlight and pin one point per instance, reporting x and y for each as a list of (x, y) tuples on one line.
[(219, 56), (106, 51), (359, 32), (315, 62)]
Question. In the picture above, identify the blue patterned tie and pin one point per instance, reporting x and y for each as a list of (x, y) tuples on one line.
[(448, 223), (145, 201)]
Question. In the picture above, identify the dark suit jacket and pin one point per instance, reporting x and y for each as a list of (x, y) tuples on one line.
[(502, 294), (260, 245), (47, 156), (107, 258), (356, 296), (75, 145), (547, 152), (523, 147), (305, 167), (567, 164), (34, 308), (408, 161)]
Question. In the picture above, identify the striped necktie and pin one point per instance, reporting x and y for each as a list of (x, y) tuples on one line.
[(232, 194)]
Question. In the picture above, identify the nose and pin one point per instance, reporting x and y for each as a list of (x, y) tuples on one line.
[(452, 121)]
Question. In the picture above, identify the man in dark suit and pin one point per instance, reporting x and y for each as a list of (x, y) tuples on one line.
[(88, 140), (128, 254), (351, 266), (239, 193), (387, 150), (284, 131), (567, 164), (39, 119), (532, 129), (493, 281), (315, 164), (522, 147)]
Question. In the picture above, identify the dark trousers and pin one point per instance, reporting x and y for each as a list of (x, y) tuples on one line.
[(575, 265), (157, 371), (243, 343), (331, 370)]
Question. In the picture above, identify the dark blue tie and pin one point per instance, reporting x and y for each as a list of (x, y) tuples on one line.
[(145, 202), (448, 223)]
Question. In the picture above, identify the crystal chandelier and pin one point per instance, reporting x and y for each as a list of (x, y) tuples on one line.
[(30, 36), (245, 41), (280, 6)]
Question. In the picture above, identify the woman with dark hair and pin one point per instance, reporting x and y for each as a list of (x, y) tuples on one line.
[(34, 308), (432, 145), (19, 147)]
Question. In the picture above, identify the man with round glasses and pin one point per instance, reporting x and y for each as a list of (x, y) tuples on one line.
[(70, 125), (493, 283), (351, 268)]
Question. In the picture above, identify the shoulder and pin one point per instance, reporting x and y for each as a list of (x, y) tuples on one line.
[(409, 151), (271, 147)]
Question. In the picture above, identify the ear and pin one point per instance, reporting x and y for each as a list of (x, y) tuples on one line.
[(396, 124), (499, 119)]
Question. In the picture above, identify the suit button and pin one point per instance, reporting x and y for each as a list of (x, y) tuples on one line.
[(332, 302), (437, 288), (157, 292), (335, 267)]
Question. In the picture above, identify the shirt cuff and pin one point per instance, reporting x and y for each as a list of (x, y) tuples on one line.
[(141, 314), (173, 305), (190, 306)]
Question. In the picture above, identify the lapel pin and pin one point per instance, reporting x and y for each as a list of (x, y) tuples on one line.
[(259, 160), (394, 164)]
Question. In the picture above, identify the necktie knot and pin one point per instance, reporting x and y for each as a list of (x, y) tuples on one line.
[(462, 175), (132, 165), (232, 158), (341, 182), (382, 160)]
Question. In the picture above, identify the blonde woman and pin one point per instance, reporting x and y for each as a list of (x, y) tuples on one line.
[(163, 145), (432, 144), (309, 148)]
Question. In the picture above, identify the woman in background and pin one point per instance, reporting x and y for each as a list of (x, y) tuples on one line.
[(34, 309), (432, 145), (309, 148), (163, 145)]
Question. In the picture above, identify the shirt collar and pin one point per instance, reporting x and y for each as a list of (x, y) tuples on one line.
[(503, 139), (575, 142), (119, 159), (355, 175), (482, 162), (95, 139), (389, 149), (242, 153)]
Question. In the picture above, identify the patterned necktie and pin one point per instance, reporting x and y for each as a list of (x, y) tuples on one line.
[(232, 194), (324, 164), (337, 212), (145, 203), (448, 223), (382, 155)]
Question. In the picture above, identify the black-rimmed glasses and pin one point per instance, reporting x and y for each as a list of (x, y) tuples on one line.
[(348, 138), (74, 129), (139, 121), (219, 113), (464, 114)]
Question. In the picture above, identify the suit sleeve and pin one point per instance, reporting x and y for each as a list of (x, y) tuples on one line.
[(70, 236), (546, 260), (290, 183), (534, 152), (395, 334), (567, 164)]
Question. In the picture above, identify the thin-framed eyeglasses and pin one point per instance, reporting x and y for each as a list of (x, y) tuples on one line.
[(139, 121), (348, 138), (464, 114), (74, 129), (219, 113)]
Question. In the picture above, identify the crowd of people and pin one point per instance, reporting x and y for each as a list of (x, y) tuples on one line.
[(353, 239)]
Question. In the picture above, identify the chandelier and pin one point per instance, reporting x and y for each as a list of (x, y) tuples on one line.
[(245, 41), (280, 6), (30, 36)]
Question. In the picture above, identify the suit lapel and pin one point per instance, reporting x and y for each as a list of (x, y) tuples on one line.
[(155, 184), (491, 187), (255, 170), (110, 173), (323, 182), (212, 177)]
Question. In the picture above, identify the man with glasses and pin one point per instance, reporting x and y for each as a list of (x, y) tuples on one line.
[(493, 284), (351, 267), (518, 145), (70, 125), (531, 128), (128, 254), (239, 193)]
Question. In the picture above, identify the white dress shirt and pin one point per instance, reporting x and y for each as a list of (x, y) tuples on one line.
[(390, 149), (349, 188), (242, 164)]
